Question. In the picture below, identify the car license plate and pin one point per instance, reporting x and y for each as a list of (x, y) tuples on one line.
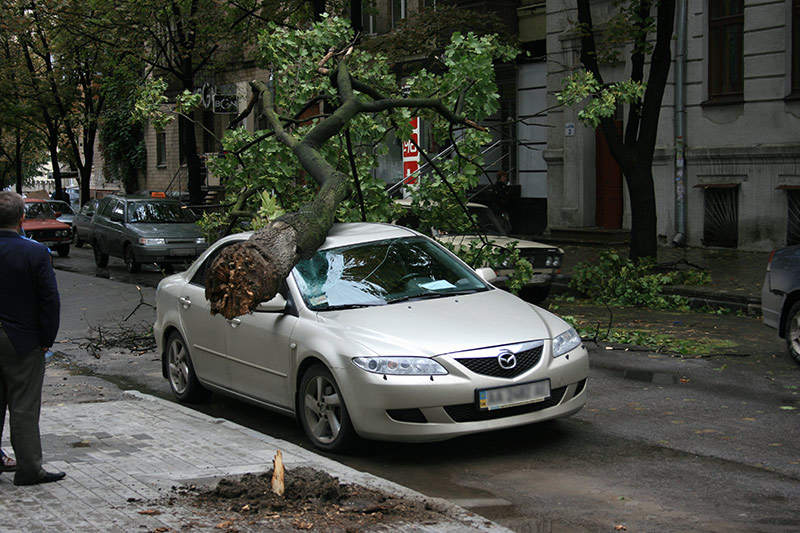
[(501, 397), (183, 251)]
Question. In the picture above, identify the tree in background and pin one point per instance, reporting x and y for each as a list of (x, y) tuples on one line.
[(631, 30)]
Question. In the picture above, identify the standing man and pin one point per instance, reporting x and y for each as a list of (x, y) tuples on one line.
[(29, 314)]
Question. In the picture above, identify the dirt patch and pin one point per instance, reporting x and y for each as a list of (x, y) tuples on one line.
[(313, 501)]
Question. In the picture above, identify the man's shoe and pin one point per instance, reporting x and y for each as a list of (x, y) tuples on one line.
[(7, 464), (44, 477)]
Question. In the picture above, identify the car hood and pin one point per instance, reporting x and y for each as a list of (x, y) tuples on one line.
[(31, 224), (444, 325), (187, 230)]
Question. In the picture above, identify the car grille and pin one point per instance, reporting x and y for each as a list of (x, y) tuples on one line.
[(181, 241), (489, 366), (42, 234), (467, 412), (537, 257)]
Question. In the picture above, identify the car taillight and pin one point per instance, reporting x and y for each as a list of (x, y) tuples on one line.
[(769, 261)]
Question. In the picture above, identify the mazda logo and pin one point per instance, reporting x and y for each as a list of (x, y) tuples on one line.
[(507, 360)]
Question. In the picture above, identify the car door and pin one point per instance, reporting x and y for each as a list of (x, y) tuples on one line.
[(99, 222), (261, 350), (206, 334), (116, 229)]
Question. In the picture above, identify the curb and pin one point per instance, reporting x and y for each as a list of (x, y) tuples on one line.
[(349, 475), (697, 298)]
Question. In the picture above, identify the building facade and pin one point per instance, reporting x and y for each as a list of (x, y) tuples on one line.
[(742, 142)]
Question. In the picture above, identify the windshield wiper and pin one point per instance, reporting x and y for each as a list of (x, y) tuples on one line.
[(348, 306), (431, 295)]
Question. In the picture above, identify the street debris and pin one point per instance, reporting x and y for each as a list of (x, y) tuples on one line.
[(136, 338), (312, 500)]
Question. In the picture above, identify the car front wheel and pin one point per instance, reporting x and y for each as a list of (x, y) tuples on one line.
[(130, 260), (100, 259), (322, 411), (180, 371), (63, 250), (792, 332)]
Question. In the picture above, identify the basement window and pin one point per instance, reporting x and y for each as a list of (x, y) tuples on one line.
[(721, 214)]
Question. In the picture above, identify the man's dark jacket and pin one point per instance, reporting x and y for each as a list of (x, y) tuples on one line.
[(29, 303)]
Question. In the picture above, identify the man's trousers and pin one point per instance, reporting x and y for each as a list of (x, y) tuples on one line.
[(21, 381)]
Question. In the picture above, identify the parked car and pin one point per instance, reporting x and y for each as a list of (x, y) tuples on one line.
[(82, 223), (41, 224), (780, 297), (545, 259), (145, 230), (383, 334)]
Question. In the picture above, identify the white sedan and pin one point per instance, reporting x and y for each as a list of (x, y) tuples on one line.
[(382, 334)]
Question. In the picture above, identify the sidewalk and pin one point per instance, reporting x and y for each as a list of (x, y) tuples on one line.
[(736, 276), (126, 456)]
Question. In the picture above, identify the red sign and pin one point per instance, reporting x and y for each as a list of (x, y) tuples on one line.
[(411, 154)]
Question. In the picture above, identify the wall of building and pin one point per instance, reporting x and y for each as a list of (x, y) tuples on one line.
[(754, 144)]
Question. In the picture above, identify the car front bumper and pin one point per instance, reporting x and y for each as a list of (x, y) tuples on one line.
[(771, 305), (444, 407), (169, 253)]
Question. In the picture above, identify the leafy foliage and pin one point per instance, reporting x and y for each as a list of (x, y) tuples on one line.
[(616, 280), (602, 100)]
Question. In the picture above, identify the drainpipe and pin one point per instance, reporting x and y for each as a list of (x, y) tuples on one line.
[(680, 126)]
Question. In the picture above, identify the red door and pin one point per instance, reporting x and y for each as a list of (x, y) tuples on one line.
[(609, 184)]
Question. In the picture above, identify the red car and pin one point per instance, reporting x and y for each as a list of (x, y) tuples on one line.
[(40, 224)]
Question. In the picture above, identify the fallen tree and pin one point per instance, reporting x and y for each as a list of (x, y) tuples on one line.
[(326, 66)]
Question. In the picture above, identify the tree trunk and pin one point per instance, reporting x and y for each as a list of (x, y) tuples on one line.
[(643, 211), (244, 276), (53, 146), (18, 162), (193, 167), (88, 162)]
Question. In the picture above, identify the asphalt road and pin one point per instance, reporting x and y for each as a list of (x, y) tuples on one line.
[(664, 444)]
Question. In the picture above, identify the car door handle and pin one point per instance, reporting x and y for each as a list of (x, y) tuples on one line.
[(234, 322), (185, 302)]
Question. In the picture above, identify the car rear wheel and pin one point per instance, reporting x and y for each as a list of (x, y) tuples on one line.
[(130, 260), (180, 371), (63, 250), (792, 332), (534, 295), (100, 259), (322, 411)]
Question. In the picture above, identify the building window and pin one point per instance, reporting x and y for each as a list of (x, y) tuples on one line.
[(161, 149), (796, 47), (368, 23), (721, 215), (398, 11), (726, 62)]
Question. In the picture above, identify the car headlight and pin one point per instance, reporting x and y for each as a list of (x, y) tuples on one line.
[(556, 261), (548, 261), (569, 340), (406, 366), (151, 242), (200, 240)]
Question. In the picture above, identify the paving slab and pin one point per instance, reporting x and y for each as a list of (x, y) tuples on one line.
[(124, 456)]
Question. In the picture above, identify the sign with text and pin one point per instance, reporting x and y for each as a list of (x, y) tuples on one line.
[(411, 154)]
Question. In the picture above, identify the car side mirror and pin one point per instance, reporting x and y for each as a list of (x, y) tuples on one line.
[(276, 305), (487, 274)]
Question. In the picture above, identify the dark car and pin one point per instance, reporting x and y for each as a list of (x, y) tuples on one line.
[(82, 223), (145, 230), (41, 224), (780, 297)]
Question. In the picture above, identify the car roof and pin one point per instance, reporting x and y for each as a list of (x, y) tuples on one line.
[(349, 233), (407, 202)]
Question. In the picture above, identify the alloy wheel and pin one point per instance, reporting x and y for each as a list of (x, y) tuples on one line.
[(323, 409), (178, 364)]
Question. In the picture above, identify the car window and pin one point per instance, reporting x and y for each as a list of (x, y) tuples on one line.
[(105, 207), (159, 213), (63, 207), (382, 272), (486, 219), (89, 207), (39, 210), (118, 209)]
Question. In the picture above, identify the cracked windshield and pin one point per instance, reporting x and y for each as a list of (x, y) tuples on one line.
[(380, 273)]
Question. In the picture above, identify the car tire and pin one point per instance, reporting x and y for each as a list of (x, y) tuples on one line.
[(180, 371), (100, 259), (792, 332), (534, 295), (63, 250), (321, 409), (168, 268), (131, 265)]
